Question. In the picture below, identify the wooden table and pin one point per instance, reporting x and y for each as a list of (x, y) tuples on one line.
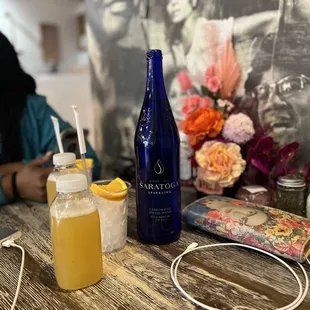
[(138, 276)]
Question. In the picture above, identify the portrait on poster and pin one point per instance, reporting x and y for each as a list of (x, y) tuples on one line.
[(271, 40)]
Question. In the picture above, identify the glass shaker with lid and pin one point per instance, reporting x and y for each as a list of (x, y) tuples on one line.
[(290, 196)]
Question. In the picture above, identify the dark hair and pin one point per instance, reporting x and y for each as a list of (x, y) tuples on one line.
[(15, 85), (287, 51), (173, 31)]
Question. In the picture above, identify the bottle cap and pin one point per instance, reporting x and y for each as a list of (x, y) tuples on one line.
[(64, 159), (291, 180), (71, 183), (153, 53)]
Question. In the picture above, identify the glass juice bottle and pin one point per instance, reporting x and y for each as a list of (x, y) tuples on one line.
[(63, 163), (157, 148), (75, 234)]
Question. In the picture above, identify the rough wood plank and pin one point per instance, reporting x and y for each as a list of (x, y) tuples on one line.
[(138, 276)]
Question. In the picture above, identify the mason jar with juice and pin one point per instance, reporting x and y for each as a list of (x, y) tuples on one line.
[(63, 163), (75, 234)]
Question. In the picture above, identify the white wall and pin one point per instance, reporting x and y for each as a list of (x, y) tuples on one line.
[(65, 89), (29, 14)]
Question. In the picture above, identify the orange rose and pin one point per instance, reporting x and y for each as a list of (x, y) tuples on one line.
[(205, 122)]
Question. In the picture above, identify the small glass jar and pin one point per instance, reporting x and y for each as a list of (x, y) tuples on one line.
[(290, 196), (64, 163)]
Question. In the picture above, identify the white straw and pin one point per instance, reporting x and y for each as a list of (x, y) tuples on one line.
[(80, 137), (57, 133)]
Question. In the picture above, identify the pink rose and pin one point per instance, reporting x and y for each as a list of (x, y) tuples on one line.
[(214, 84), (185, 81), (209, 73), (193, 101), (190, 104), (206, 102), (185, 109)]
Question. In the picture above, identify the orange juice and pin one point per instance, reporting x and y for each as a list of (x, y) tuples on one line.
[(51, 191), (77, 254), (89, 167)]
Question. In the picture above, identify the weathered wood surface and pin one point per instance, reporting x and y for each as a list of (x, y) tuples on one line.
[(138, 276)]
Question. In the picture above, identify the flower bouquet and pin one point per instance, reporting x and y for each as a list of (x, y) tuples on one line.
[(225, 142), (215, 132)]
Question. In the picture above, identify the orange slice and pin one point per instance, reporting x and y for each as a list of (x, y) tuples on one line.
[(89, 163), (115, 190)]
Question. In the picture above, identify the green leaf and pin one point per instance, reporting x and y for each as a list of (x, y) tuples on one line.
[(205, 91)]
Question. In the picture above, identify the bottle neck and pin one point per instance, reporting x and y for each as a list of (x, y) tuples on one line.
[(64, 167), (155, 78), (74, 195)]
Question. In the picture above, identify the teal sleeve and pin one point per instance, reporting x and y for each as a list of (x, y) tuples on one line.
[(3, 199), (48, 139), (47, 135)]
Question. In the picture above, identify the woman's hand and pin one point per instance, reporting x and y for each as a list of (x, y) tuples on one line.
[(11, 167), (31, 179)]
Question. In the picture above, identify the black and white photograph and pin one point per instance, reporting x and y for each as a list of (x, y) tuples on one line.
[(271, 40), (117, 54), (154, 154)]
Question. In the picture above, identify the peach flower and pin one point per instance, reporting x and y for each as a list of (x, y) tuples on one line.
[(220, 163)]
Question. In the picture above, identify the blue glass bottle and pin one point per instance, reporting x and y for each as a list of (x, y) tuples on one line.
[(157, 146)]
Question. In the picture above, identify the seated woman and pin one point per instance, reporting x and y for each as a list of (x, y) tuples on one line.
[(27, 139)]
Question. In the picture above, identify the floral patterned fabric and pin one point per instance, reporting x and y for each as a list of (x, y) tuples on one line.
[(272, 230)]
